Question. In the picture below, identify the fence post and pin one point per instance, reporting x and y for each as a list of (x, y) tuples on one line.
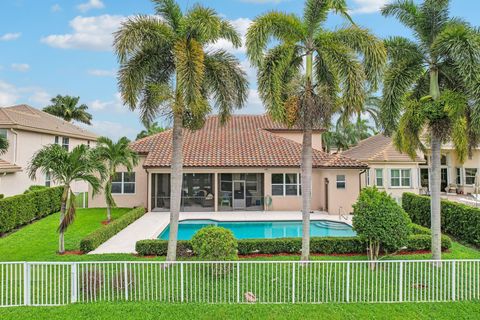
[(454, 289), (293, 283), (26, 284), (238, 282), (347, 295), (400, 280), (181, 282), (73, 283), (125, 279)]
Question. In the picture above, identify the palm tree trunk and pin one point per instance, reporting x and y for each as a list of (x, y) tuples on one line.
[(63, 208), (109, 213), (176, 185), (307, 164), (435, 173), (306, 192)]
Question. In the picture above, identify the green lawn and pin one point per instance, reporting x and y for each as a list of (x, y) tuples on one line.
[(39, 240), (151, 310)]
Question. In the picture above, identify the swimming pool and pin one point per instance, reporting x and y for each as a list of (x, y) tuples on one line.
[(263, 229)]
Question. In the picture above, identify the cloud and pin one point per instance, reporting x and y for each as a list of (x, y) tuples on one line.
[(367, 6), (11, 94), (91, 4), (115, 104), (89, 33), (254, 104), (101, 73), (20, 67), (113, 130), (56, 8), (241, 25), (10, 36)]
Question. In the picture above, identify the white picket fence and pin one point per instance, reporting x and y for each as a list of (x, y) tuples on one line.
[(59, 283)]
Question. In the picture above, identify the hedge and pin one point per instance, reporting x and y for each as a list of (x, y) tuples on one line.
[(99, 236), (458, 220), (21, 209), (419, 240)]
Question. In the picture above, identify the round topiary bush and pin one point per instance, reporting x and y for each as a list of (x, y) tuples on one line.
[(215, 244), (380, 222)]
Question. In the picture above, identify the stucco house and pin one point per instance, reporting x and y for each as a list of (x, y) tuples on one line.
[(249, 163), (389, 169), (27, 130)]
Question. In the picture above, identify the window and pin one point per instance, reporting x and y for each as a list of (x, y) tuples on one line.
[(48, 179), (458, 180), (443, 160), (286, 184), (400, 178), (367, 177), (3, 133), (470, 174), (379, 177), (57, 138), (65, 142), (341, 181), (123, 183)]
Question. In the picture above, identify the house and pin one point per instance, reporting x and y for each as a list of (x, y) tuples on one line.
[(249, 163), (27, 130), (389, 169)]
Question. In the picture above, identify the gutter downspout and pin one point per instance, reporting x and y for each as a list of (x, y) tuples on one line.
[(14, 145), (360, 180)]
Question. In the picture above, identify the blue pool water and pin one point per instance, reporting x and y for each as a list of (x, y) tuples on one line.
[(263, 229)]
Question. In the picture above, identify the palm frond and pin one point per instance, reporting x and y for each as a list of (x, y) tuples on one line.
[(316, 11), (69, 216), (170, 11), (406, 11)]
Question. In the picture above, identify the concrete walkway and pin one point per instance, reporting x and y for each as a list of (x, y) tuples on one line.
[(153, 223)]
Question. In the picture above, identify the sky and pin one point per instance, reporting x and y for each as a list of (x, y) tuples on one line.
[(50, 47)]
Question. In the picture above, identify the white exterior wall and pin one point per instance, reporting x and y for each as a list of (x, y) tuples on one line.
[(23, 145)]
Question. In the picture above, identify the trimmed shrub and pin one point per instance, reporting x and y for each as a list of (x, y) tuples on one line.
[(35, 188), (380, 222), (99, 236), (419, 240), (213, 243), (21, 209), (459, 220)]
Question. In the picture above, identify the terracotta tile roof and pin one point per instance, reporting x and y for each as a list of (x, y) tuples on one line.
[(378, 148), (244, 141), (6, 166), (31, 119)]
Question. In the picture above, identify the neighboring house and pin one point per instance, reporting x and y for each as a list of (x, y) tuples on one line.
[(28, 130), (250, 163), (389, 169)]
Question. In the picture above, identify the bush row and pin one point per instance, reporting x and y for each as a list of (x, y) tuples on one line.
[(419, 240), (99, 236), (21, 209), (459, 220)]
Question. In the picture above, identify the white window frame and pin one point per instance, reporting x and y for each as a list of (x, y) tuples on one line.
[(48, 179), (367, 177), (459, 176), (401, 177), (284, 185), (344, 181), (66, 143), (469, 176), (379, 177), (122, 184)]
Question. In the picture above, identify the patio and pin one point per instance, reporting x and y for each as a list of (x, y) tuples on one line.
[(153, 223)]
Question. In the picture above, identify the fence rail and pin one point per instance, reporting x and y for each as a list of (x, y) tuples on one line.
[(59, 283)]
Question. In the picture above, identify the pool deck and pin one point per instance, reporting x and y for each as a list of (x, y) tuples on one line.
[(153, 223)]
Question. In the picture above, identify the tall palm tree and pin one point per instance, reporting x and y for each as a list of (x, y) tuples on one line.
[(431, 87), (114, 154), (334, 74), (3, 145), (345, 135), (150, 129), (166, 70), (66, 108), (66, 167)]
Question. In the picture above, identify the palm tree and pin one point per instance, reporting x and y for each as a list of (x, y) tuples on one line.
[(3, 145), (66, 167), (431, 87), (150, 129), (114, 154), (346, 135), (333, 66), (166, 70), (65, 107)]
